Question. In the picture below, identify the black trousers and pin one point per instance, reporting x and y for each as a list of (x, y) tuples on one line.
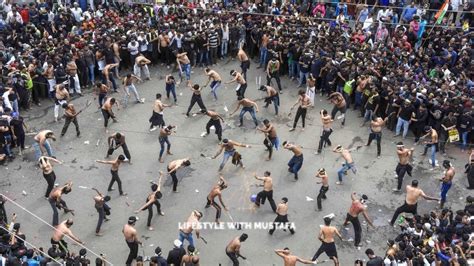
[(150, 211), (217, 126), (196, 99), (244, 66), (281, 219), (268, 142), (107, 116), (242, 89), (377, 136), (405, 208), (125, 151), (357, 228), (175, 180), (324, 139), (216, 206), (301, 112), (67, 122), (50, 179), (328, 248), (262, 196), (102, 213), (133, 246), (276, 76), (401, 170), (115, 178), (336, 109), (322, 195), (233, 258), (62, 245)]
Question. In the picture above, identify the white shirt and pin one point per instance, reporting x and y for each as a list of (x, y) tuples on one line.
[(133, 49), (11, 18), (367, 23), (77, 13)]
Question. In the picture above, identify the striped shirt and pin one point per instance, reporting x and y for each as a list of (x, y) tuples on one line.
[(213, 39)]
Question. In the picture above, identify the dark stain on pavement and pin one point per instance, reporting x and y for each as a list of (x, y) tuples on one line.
[(90, 168)]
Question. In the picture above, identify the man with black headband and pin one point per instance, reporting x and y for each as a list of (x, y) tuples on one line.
[(272, 97), (60, 231), (446, 181), (228, 146), (324, 186), (282, 218), (271, 138), (357, 207), (267, 192), (241, 83), (349, 162), (403, 166), (151, 200), (431, 144), (296, 162), (102, 208), (217, 192), (48, 172), (186, 231), (56, 201), (131, 238)]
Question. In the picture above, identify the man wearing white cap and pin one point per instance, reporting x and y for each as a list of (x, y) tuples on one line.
[(176, 254)]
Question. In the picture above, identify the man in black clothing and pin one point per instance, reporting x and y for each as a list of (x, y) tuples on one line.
[(158, 259), (176, 254), (373, 260)]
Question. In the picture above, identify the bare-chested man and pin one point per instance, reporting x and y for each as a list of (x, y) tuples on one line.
[(163, 48), (196, 98), (272, 97), (376, 126), (131, 238), (446, 181), (129, 87), (156, 118), (322, 174), (163, 139), (217, 192), (192, 224), (431, 144), (184, 65), (241, 83), (352, 216), (101, 91), (326, 235), (228, 146), (281, 221), (141, 65), (114, 171), (70, 115), (61, 97), (173, 167), (42, 145), (271, 138), (63, 229), (100, 204), (247, 106), (216, 81), (108, 76), (267, 192), (107, 111), (233, 249), (304, 102), (349, 163), (339, 102), (296, 162), (151, 200), (48, 172), (215, 120), (56, 201), (289, 259), (404, 155), (263, 50), (244, 61), (326, 131), (71, 70), (411, 201)]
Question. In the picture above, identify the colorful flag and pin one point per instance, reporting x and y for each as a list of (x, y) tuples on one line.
[(441, 12)]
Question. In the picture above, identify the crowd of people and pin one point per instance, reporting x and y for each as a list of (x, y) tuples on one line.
[(404, 67)]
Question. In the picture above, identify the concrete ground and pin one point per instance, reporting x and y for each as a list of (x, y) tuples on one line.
[(375, 177)]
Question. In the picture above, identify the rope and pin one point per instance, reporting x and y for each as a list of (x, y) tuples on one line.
[(34, 215)]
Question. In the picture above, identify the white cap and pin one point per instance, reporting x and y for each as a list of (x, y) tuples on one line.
[(177, 243)]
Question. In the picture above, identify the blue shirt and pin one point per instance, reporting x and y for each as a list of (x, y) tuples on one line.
[(408, 13)]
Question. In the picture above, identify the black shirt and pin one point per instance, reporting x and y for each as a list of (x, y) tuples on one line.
[(175, 256), (406, 112), (375, 261)]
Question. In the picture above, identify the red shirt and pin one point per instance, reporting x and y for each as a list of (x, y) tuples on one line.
[(25, 15)]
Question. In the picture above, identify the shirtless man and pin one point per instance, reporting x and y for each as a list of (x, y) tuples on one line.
[(56, 201), (296, 162), (233, 249), (241, 83), (263, 50), (216, 81), (141, 65), (114, 171), (48, 172), (63, 230), (281, 221), (100, 204), (42, 145), (411, 201), (217, 192), (271, 138), (247, 106), (339, 102), (244, 61), (115, 141), (164, 48), (349, 163), (49, 75), (289, 259), (326, 120), (71, 70), (352, 216), (272, 97), (431, 144), (70, 115), (184, 65), (322, 174), (131, 238), (376, 132), (129, 86), (156, 118), (173, 167), (215, 120), (186, 231), (152, 199), (108, 76), (107, 111), (196, 98), (311, 88), (228, 146), (446, 181), (304, 102), (163, 138), (101, 91), (61, 97), (403, 166), (326, 236), (267, 192)]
